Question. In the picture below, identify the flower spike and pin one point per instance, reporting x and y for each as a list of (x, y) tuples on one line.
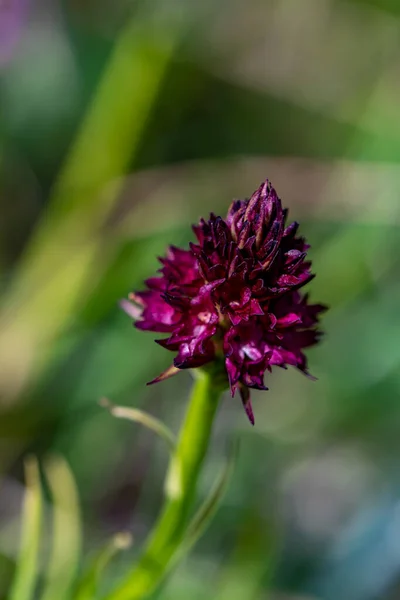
[(235, 295)]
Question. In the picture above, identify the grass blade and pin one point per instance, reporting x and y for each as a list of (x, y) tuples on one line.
[(66, 544), (23, 586), (87, 586), (56, 270), (139, 416), (208, 508)]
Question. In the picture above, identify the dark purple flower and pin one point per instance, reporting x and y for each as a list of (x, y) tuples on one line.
[(233, 296)]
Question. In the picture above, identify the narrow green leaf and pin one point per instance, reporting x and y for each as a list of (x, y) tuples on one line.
[(209, 507), (66, 544), (23, 586), (88, 584), (206, 511), (139, 416)]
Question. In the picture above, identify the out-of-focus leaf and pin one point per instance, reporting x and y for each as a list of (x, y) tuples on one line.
[(66, 545), (58, 265), (23, 586), (208, 508), (87, 586), (140, 416)]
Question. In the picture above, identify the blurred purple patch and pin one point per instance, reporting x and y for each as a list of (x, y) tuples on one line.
[(13, 17)]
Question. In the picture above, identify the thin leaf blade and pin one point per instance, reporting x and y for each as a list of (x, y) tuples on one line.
[(24, 582), (67, 536), (143, 418), (88, 584)]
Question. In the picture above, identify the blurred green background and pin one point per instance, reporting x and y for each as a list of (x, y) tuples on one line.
[(121, 123)]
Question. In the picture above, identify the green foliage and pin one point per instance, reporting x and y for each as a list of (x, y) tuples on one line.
[(66, 543), (139, 416), (88, 585), (135, 120), (23, 587)]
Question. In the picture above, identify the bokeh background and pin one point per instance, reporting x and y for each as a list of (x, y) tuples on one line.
[(121, 124)]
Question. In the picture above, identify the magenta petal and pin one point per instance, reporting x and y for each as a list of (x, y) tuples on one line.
[(288, 320)]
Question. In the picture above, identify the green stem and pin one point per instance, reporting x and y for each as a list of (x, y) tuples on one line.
[(180, 488)]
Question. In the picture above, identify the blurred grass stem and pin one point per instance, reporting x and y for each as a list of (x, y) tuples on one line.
[(62, 261), (26, 573)]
